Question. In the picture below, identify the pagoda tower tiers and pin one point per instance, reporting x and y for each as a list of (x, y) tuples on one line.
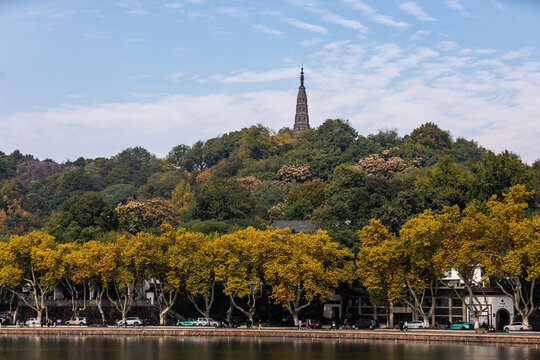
[(301, 120)]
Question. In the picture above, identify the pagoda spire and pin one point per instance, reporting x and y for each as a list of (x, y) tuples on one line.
[(301, 119)]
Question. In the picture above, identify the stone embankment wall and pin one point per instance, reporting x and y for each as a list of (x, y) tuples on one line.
[(458, 337)]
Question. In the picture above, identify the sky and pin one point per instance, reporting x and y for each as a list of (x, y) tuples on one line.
[(91, 78)]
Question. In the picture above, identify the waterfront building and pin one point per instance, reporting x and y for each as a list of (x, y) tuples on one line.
[(451, 300)]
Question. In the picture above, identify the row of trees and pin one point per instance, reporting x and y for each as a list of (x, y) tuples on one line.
[(495, 236), (298, 267)]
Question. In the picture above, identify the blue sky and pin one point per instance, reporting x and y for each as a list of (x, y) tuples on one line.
[(90, 78)]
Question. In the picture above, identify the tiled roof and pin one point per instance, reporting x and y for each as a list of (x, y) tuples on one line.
[(296, 225)]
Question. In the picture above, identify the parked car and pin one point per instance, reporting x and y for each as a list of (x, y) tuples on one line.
[(517, 326), (461, 325), (210, 322), (314, 324), (187, 322), (415, 324), (77, 321), (366, 324), (31, 322), (130, 321)]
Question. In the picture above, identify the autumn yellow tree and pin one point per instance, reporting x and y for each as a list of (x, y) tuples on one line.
[(125, 276), (301, 267), (31, 262), (97, 267), (182, 196), (419, 243), (193, 267), (463, 249), (512, 258), (73, 282), (239, 267), (151, 260), (379, 265)]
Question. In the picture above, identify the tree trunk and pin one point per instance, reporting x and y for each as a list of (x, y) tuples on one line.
[(229, 311), (476, 321), (100, 308), (251, 303), (163, 315), (295, 318)]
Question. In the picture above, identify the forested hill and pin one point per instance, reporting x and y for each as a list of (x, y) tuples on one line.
[(330, 174)]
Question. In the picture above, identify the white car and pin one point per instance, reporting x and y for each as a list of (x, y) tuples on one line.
[(130, 321), (31, 322), (517, 326), (415, 324), (210, 322), (77, 321)]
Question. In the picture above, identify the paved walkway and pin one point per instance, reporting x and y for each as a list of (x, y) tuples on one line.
[(422, 335)]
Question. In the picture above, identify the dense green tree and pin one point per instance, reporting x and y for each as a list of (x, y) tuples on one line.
[(119, 193), (83, 218), (431, 136), (464, 151), (224, 199), (86, 210), (386, 138), (449, 179), (497, 173), (299, 210), (177, 158)]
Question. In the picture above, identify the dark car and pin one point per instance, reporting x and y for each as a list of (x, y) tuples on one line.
[(366, 324)]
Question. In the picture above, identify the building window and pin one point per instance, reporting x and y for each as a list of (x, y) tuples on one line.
[(441, 302)]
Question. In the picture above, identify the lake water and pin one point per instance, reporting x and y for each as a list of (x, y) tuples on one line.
[(206, 348)]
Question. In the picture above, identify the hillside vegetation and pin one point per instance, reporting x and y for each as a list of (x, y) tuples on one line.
[(329, 174)]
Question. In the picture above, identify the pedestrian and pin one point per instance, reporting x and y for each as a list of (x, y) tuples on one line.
[(401, 325), (333, 325), (308, 324), (260, 325)]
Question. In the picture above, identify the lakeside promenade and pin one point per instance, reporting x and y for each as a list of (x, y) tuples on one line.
[(438, 336)]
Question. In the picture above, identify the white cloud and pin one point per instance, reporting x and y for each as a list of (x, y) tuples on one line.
[(418, 35), (448, 45), (512, 55), (374, 15), (176, 76), (234, 12), (105, 129), (339, 20), (476, 95), (174, 6), (267, 30), (456, 5), (252, 77), (146, 94), (306, 26), (311, 42), (414, 9)]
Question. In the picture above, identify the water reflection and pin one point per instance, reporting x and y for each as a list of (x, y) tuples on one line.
[(209, 348)]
